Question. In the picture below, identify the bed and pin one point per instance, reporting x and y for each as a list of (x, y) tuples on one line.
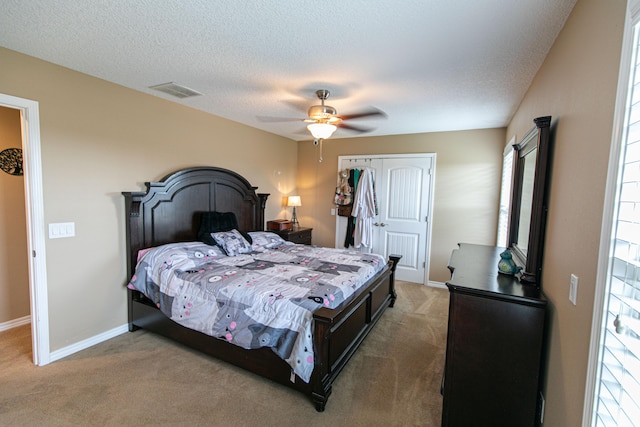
[(171, 211)]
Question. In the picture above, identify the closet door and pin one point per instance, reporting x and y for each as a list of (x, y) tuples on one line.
[(404, 189), (404, 195)]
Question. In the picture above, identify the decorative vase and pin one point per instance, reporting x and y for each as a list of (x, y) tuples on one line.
[(506, 265)]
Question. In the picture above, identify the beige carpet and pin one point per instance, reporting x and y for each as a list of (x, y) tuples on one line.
[(142, 379)]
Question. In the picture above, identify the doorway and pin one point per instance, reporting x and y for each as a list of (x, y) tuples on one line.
[(14, 280), (404, 186), (34, 210)]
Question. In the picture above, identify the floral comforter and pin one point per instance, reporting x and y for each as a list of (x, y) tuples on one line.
[(264, 298)]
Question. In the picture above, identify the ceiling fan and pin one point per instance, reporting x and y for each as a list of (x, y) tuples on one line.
[(324, 119)]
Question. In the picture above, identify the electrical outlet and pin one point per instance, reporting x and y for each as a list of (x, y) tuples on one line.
[(573, 289)]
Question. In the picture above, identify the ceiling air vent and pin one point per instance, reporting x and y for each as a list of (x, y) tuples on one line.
[(176, 90)]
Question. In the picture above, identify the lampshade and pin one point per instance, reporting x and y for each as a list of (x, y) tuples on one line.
[(294, 201), (321, 130)]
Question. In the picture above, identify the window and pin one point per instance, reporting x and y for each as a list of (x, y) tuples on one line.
[(505, 193), (616, 389)]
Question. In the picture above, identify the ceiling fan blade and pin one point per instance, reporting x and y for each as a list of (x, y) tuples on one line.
[(368, 113), (300, 105), (270, 119), (354, 128)]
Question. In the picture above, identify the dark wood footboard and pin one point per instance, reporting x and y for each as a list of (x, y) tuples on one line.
[(339, 332)]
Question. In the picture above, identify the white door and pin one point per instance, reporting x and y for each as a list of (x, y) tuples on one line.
[(404, 215), (404, 190)]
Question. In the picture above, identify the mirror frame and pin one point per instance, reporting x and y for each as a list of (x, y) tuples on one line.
[(535, 142)]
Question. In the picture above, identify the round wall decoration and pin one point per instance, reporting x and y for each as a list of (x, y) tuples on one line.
[(11, 161)]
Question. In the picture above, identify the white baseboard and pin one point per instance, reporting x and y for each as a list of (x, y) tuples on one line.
[(437, 284), (89, 342), (5, 326)]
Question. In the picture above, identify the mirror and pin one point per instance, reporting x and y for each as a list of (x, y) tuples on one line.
[(528, 201)]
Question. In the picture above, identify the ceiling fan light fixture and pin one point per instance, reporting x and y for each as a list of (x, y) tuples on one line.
[(321, 130), (320, 112)]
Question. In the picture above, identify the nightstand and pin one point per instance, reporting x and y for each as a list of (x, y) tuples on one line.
[(296, 235)]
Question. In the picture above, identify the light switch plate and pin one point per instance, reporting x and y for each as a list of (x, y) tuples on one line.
[(573, 289), (62, 229)]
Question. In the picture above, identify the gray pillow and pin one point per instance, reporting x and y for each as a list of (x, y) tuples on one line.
[(232, 242)]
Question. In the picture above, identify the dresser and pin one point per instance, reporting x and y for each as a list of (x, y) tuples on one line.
[(495, 342), (300, 235)]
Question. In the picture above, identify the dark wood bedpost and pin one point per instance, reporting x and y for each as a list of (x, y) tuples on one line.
[(320, 381), (262, 200), (134, 227), (393, 263)]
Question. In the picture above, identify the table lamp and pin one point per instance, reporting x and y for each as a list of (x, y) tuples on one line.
[(294, 201)]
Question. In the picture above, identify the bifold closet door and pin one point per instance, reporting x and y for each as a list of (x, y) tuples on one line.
[(404, 187)]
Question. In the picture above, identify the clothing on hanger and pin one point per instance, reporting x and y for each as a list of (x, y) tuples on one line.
[(364, 210), (348, 239)]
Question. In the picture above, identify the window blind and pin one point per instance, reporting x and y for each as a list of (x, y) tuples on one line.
[(505, 195), (618, 390)]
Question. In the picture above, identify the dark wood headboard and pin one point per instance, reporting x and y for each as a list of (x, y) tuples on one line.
[(169, 211)]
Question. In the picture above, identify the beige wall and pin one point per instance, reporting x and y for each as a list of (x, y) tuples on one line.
[(466, 196), (14, 267), (99, 139), (577, 86)]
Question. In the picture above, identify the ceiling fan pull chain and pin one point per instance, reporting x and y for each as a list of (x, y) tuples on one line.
[(320, 158)]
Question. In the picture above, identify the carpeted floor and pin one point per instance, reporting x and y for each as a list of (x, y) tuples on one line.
[(142, 379)]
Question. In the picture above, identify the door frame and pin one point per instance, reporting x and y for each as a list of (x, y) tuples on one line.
[(433, 157), (34, 209)]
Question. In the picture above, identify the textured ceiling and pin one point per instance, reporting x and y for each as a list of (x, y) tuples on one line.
[(431, 65)]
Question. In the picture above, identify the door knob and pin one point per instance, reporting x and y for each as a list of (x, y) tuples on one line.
[(379, 224)]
